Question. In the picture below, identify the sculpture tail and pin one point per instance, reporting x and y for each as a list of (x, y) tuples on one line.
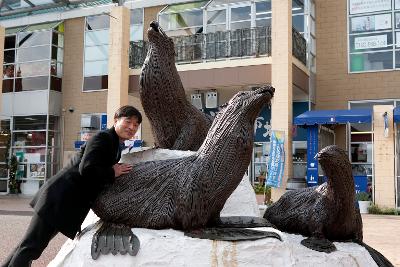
[(380, 260)]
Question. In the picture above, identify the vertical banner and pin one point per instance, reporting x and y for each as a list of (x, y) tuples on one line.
[(312, 150), (276, 163), (103, 122)]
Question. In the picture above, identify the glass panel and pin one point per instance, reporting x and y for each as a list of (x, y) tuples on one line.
[(8, 86), (43, 26), (58, 39), (360, 127), (373, 61), (136, 32), (241, 25), (33, 38), (8, 71), (298, 23), (30, 123), (9, 42), (370, 42), (97, 22), (297, 6), (263, 9), (186, 19), (361, 152), (96, 52), (397, 59), (55, 84), (3, 154), (164, 21), (185, 6), (96, 37), (263, 22), (361, 169), (3, 171), (216, 28), (29, 138), (136, 16), (9, 56), (33, 83), (95, 83), (361, 137), (57, 53), (56, 69), (33, 69), (241, 13), (397, 39), (369, 105), (96, 68), (217, 16), (371, 23), (53, 123), (33, 53)]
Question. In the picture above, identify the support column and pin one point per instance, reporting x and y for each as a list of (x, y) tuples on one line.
[(384, 169), (281, 117), (118, 61)]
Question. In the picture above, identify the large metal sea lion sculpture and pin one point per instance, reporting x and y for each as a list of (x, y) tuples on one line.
[(188, 192), (327, 212), (175, 122)]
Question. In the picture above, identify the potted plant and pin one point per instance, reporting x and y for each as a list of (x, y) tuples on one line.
[(364, 202), (13, 166), (263, 194)]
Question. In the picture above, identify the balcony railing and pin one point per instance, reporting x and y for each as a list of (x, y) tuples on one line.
[(299, 46), (242, 43)]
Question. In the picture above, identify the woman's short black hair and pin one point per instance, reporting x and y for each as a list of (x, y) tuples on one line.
[(128, 111)]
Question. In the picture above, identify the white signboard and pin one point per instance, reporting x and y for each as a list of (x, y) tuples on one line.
[(365, 6), (369, 42), (371, 23)]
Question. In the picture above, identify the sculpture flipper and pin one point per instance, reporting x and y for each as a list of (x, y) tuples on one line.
[(114, 238), (319, 244)]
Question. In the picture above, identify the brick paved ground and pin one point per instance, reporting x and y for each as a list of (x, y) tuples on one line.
[(380, 232)]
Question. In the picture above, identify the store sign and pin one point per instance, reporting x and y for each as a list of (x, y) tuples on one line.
[(360, 183), (276, 163), (262, 125), (312, 150), (365, 6), (371, 23), (369, 42)]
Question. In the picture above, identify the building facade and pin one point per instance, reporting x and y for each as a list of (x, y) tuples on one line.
[(69, 64)]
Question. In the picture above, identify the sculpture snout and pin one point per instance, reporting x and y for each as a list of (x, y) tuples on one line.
[(155, 26)]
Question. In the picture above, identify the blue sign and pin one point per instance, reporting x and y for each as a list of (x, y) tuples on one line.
[(103, 122), (312, 150), (78, 144), (360, 183), (276, 163)]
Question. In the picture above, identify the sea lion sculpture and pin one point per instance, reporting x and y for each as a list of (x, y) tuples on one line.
[(175, 122), (327, 212), (188, 192)]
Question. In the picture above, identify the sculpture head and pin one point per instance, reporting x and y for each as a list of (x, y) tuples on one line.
[(159, 40), (334, 161), (236, 122)]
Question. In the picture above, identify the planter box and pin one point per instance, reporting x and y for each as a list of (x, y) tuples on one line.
[(363, 205)]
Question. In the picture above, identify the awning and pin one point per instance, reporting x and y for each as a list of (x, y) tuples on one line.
[(396, 114), (334, 117)]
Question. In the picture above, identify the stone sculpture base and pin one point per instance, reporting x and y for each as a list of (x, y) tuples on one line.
[(172, 248)]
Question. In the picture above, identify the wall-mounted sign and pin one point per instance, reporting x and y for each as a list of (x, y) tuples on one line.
[(371, 23), (368, 42), (365, 6)]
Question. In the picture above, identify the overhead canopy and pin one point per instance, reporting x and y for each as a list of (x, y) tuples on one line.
[(396, 114), (334, 117)]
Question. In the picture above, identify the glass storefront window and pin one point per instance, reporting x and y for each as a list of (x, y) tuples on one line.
[(38, 68), (96, 37), (29, 123), (9, 56), (33, 53), (260, 161), (136, 24), (57, 54), (97, 22), (99, 52), (96, 68), (29, 138), (32, 83), (361, 152), (58, 39), (9, 42), (95, 83), (26, 39), (371, 61)]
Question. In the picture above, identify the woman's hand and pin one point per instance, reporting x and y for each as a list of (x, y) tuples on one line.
[(122, 168)]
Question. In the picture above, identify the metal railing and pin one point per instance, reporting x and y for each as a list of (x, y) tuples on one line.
[(242, 43), (299, 46)]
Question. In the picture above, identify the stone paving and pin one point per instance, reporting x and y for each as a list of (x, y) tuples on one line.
[(380, 232)]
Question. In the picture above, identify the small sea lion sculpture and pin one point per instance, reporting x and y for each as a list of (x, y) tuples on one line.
[(327, 212), (175, 122)]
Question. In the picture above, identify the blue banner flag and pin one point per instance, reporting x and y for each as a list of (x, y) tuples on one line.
[(276, 162), (312, 150)]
